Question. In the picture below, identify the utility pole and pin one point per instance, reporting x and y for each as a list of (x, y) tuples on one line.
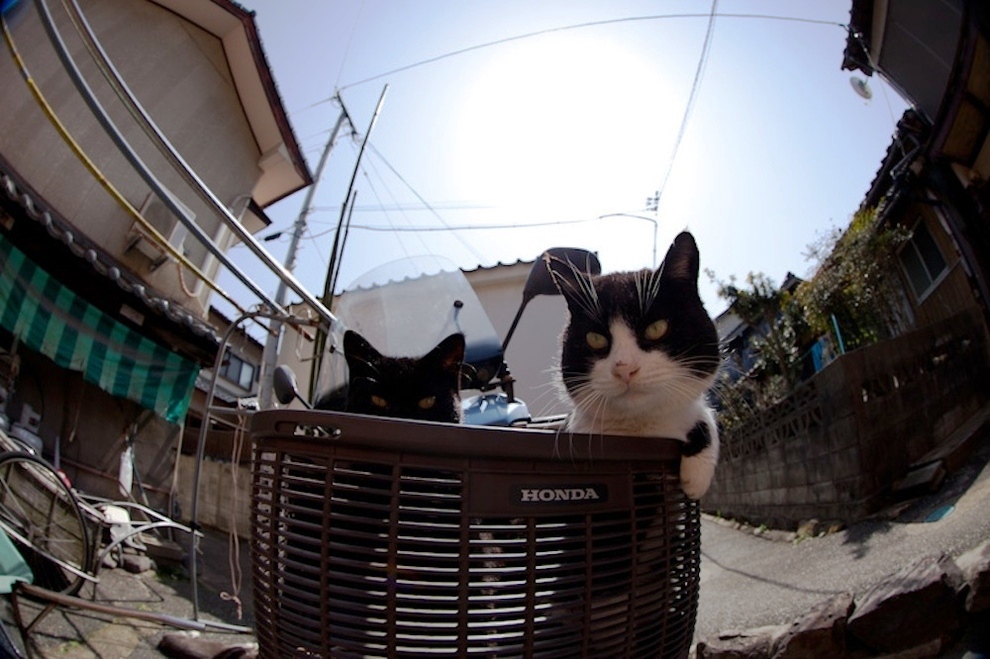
[(321, 335), (272, 344), (334, 256)]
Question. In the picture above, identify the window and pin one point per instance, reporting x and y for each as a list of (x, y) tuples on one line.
[(922, 261), (238, 371)]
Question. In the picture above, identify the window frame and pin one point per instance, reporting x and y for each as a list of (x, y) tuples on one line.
[(919, 255), (233, 369)]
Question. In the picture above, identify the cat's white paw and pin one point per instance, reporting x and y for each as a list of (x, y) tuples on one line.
[(697, 472)]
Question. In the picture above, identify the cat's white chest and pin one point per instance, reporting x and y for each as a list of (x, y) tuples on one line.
[(641, 420)]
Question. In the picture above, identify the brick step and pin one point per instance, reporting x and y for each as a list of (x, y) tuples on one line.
[(928, 472)]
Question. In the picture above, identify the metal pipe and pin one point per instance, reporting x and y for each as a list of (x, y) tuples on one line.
[(38, 593), (172, 155), (321, 335), (343, 241), (115, 135), (208, 409), (327, 288), (87, 162), (165, 196), (106, 476), (200, 451)]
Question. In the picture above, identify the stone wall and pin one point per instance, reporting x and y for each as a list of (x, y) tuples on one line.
[(833, 449)]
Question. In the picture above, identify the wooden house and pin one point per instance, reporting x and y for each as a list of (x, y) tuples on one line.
[(933, 179)]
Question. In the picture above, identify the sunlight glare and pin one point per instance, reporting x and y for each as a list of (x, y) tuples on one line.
[(553, 117)]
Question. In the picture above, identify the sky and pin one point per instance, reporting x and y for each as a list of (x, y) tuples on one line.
[(511, 126)]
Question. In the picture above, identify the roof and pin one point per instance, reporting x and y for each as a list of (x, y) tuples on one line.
[(500, 272), (500, 265), (284, 169), (910, 136), (791, 281), (96, 259), (220, 392), (729, 325), (856, 55)]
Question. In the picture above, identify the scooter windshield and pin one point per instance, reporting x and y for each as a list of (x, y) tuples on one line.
[(406, 307)]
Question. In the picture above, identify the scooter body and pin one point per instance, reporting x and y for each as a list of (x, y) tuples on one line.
[(406, 307), (494, 409)]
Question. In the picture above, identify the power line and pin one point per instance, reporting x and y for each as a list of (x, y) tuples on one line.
[(411, 207), (472, 227), (474, 252), (393, 228), (580, 26), (388, 217), (695, 85), (350, 40)]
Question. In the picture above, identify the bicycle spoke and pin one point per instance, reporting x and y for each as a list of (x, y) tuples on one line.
[(39, 511)]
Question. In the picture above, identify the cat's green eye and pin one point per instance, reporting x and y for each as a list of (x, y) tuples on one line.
[(596, 341), (378, 401), (656, 330), (427, 403)]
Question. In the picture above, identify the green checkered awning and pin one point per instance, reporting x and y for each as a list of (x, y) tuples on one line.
[(51, 319)]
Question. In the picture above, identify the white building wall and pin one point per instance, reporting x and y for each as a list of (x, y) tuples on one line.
[(534, 351)]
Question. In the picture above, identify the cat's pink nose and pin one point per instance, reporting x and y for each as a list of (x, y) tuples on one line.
[(625, 372)]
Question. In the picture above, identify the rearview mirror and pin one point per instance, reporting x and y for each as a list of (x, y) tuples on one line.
[(540, 282), (285, 387)]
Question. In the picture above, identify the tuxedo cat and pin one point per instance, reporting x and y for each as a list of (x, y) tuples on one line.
[(639, 355), (425, 388)]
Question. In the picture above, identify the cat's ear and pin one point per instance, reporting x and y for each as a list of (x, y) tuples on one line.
[(682, 260), (360, 354), (572, 282), (449, 354)]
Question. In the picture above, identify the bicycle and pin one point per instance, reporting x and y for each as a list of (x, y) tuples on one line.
[(39, 511), (62, 529)]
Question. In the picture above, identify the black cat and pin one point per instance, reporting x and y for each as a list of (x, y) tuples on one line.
[(424, 389)]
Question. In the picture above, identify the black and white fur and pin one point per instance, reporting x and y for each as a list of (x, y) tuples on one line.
[(639, 355)]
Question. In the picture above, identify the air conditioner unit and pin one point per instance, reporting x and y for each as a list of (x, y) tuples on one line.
[(162, 218)]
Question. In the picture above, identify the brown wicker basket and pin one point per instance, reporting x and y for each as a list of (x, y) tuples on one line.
[(384, 538)]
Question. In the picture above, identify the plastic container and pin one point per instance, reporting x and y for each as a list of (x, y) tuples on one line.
[(384, 538)]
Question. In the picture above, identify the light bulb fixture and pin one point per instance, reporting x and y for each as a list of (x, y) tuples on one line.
[(861, 87)]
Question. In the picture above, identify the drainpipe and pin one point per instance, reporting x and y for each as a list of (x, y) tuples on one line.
[(838, 336)]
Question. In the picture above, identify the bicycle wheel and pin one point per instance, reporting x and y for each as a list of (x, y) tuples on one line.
[(41, 513)]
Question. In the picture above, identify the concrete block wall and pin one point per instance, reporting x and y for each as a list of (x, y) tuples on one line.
[(224, 495), (833, 449)]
